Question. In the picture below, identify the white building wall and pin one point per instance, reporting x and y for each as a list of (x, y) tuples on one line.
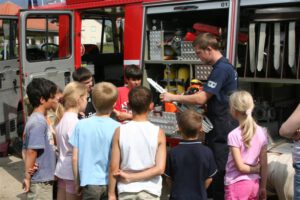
[(91, 31)]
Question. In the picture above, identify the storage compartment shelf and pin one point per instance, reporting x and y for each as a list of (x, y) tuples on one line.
[(269, 80), (172, 62)]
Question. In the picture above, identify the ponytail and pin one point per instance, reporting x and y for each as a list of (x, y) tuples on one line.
[(59, 112), (248, 127), (242, 102)]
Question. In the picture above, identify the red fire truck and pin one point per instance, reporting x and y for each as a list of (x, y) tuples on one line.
[(261, 39)]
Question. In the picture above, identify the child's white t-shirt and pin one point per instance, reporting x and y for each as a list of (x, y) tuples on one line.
[(138, 144)]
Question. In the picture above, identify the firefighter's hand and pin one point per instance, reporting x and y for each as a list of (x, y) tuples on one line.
[(167, 97), (26, 184)]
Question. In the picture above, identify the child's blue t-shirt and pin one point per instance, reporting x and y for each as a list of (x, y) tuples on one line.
[(38, 137), (93, 139)]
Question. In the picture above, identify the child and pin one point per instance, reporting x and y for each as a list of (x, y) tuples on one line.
[(190, 165), (133, 77), (248, 152), (91, 141), (74, 101), (291, 129), (83, 75), (37, 147), (138, 152)]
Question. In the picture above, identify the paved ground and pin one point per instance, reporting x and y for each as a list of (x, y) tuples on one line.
[(11, 176)]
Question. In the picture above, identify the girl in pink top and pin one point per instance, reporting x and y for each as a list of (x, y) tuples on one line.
[(246, 168), (74, 101)]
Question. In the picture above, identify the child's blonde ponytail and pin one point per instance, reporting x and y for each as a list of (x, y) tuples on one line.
[(242, 102)]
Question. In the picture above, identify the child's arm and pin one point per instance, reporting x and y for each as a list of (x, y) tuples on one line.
[(290, 126), (263, 159), (75, 169), (30, 156), (207, 182), (114, 165), (122, 116), (240, 165), (157, 169)]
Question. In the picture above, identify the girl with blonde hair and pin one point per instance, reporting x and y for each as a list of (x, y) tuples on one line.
[(74, 101), (246, 168)]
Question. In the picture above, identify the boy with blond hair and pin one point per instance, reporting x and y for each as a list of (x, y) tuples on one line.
[(138, 153), (91, 141)]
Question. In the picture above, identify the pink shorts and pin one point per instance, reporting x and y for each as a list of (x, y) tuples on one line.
[(242, 190), (67, 185)]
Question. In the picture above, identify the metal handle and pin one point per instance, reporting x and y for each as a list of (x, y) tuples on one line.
[(185, 7)]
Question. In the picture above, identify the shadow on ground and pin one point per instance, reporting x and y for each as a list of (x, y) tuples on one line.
[(11, 176)]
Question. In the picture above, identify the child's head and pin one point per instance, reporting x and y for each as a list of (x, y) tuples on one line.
[(39, 91), (83, 75), (75, 96), (190, 123), (241, 106), (140, 100), (104, 96), (241, 102), (133, 76)]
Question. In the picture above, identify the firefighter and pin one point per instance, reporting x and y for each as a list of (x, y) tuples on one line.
[(221, 82)]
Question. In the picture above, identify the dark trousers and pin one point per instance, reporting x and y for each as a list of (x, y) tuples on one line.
[(94, 192), (218, 186)]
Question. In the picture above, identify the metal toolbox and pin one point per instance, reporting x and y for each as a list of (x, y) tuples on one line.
[(156, 45), (166, 121), (187, 51)]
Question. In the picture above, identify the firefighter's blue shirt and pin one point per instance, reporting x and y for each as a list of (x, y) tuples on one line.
[(221, 83)]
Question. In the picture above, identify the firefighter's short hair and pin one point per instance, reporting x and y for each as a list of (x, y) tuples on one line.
[(81, 74), (190, 123), (204, 40), (40, 88), (139, 99), (104, 97), (133, 71)]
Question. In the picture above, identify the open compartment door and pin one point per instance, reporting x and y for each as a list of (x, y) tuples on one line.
[(47, 46), (9, 81)]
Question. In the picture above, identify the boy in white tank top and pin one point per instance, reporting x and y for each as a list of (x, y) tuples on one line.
[(138, 153)]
